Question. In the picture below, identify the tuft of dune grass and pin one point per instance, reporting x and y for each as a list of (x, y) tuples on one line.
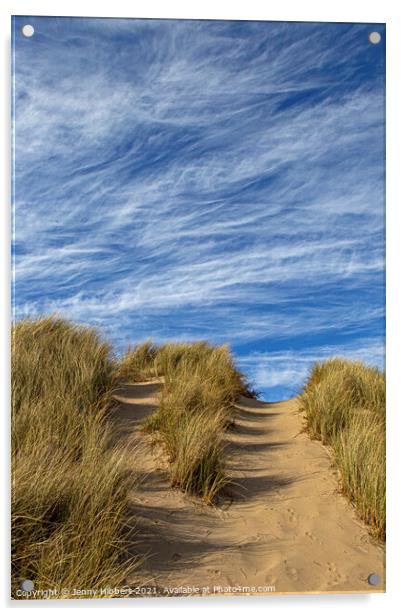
[(201, 385), (69, 486), (344, 406), (138, 363)]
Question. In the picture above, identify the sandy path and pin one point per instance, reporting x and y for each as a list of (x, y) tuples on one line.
[(286, 526)]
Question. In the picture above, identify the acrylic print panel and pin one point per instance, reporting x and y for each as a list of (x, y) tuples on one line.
[(198, 302)]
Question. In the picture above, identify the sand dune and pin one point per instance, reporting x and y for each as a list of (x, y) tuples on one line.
[(285, 526)]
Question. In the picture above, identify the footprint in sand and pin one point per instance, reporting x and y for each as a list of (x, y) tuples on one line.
[(292, 515), (313, 537), (336, 577), (291, 571)]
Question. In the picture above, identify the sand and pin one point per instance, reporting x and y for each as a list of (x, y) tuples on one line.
[(286, 529)]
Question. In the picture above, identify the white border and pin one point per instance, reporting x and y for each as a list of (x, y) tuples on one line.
[(286, 10)]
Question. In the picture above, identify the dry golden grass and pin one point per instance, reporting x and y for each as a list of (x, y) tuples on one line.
[(201, 384), (69, 486), (344, 405), (138, 363)]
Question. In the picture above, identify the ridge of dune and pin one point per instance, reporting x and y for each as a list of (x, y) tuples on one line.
[(285, 526)]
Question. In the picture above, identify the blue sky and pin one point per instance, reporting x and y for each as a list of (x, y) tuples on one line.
[(204, 179)]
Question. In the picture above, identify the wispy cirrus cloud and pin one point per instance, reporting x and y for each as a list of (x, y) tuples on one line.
[(201, 179), (285, 371)]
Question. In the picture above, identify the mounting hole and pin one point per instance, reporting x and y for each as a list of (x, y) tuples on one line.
[(374, 38), (27, 585), (28, 30), (373, 579)]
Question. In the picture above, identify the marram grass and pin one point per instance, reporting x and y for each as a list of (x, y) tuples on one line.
[(344, 406), (69, 486), (201, 385)]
